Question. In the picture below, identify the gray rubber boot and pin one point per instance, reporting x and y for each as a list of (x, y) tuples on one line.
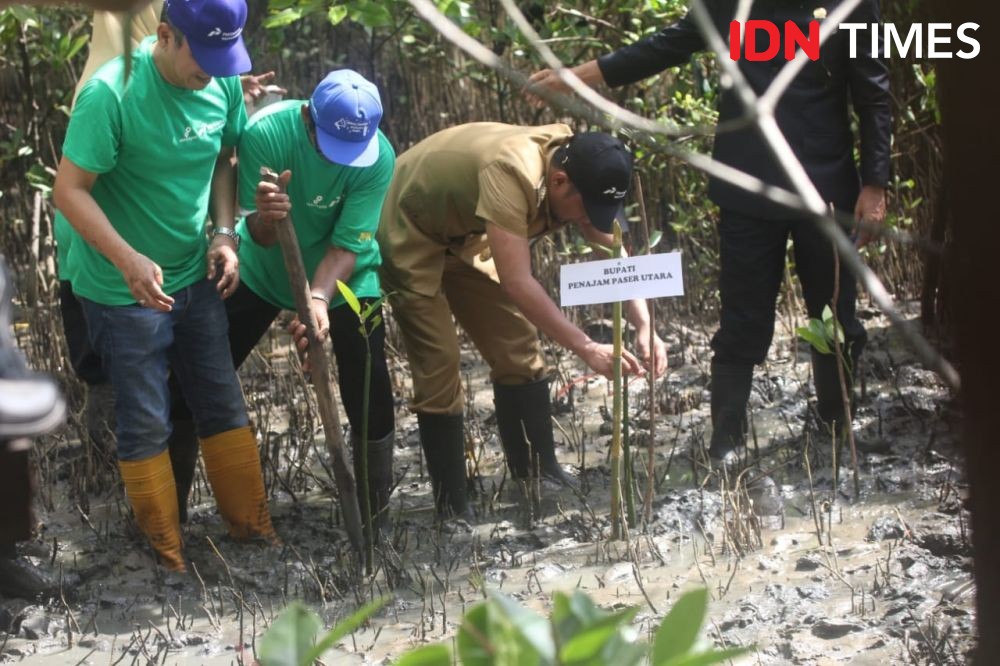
[(524, 421), (380, 454), (442, 437), (183, 447), (730, 393)]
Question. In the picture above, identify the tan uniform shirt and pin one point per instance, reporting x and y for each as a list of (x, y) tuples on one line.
[(106, 39), (448, 187)]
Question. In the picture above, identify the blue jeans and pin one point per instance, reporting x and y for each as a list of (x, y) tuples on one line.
[(140, 346)]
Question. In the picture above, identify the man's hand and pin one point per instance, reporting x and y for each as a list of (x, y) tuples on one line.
[(145, 279), (255, 86), (222, 257), (548, 80), (869, 211), (298, 330), (601, 359), (273, 205), (655, 362)]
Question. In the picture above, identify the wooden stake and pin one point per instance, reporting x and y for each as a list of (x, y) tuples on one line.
[(647, 511), (616, 437), (321, 375)]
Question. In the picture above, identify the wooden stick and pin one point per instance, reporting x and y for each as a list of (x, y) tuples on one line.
[(319, 364), (616, 433), (651, 378)]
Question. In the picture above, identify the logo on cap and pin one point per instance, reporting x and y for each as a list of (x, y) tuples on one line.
[(225, 36)]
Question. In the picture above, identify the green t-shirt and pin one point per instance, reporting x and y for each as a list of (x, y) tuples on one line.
[(154, 147), (332, 204)]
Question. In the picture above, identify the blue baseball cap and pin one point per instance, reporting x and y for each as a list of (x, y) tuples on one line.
[(346, 109), (214, 29)]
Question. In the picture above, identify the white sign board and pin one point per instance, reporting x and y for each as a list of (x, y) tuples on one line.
[(647, 276)]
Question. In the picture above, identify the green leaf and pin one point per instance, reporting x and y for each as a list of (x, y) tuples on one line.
[(706, 658), (290, 637), (428, 655), (817, 342), (474, 646), (626, 653), (78, 44), (529, 629), (349, 296), (371, 307), (370, 14), (588, 646), (831, 327), (283, 18), (578, 613), (602, 248), (654, 239), (22, 13), (336, 14), (679, 630), (343, 628)]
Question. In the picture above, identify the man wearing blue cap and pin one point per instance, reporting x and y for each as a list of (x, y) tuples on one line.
[(146, 159), (337, 166), (464, 206)]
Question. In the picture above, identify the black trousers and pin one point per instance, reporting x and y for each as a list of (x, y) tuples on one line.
[(249, 318), (85, 361), (16, 489), (752, 257)]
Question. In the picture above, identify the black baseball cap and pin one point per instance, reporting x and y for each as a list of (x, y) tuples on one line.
[(600, 167)]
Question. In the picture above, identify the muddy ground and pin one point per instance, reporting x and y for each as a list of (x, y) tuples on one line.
[(808, 573)]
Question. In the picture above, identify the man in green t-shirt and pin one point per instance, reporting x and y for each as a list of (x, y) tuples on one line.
[(146, 159), (337, 166)]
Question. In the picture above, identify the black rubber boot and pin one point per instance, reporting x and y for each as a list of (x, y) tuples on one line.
[(524, 420), (730, 394), (829, 399), (183, 447), (19, 578), (379, 476), (442, 437)]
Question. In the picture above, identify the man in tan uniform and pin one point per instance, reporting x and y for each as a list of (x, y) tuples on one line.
[(107, 36), (464, 206)]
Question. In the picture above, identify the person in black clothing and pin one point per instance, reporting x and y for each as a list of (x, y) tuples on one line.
[(30, 405), (814, 116)]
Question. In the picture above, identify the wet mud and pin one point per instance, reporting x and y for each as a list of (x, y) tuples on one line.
[(797, 564)]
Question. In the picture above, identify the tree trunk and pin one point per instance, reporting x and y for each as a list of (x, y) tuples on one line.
[(972, 142)]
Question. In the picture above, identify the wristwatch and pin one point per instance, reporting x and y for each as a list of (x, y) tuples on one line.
[(227, 231)]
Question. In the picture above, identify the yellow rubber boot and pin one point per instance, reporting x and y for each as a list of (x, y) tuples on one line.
[(232, 465), (152, 493)]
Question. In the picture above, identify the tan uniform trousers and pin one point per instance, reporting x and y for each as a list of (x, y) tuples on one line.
[(505, 338)]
